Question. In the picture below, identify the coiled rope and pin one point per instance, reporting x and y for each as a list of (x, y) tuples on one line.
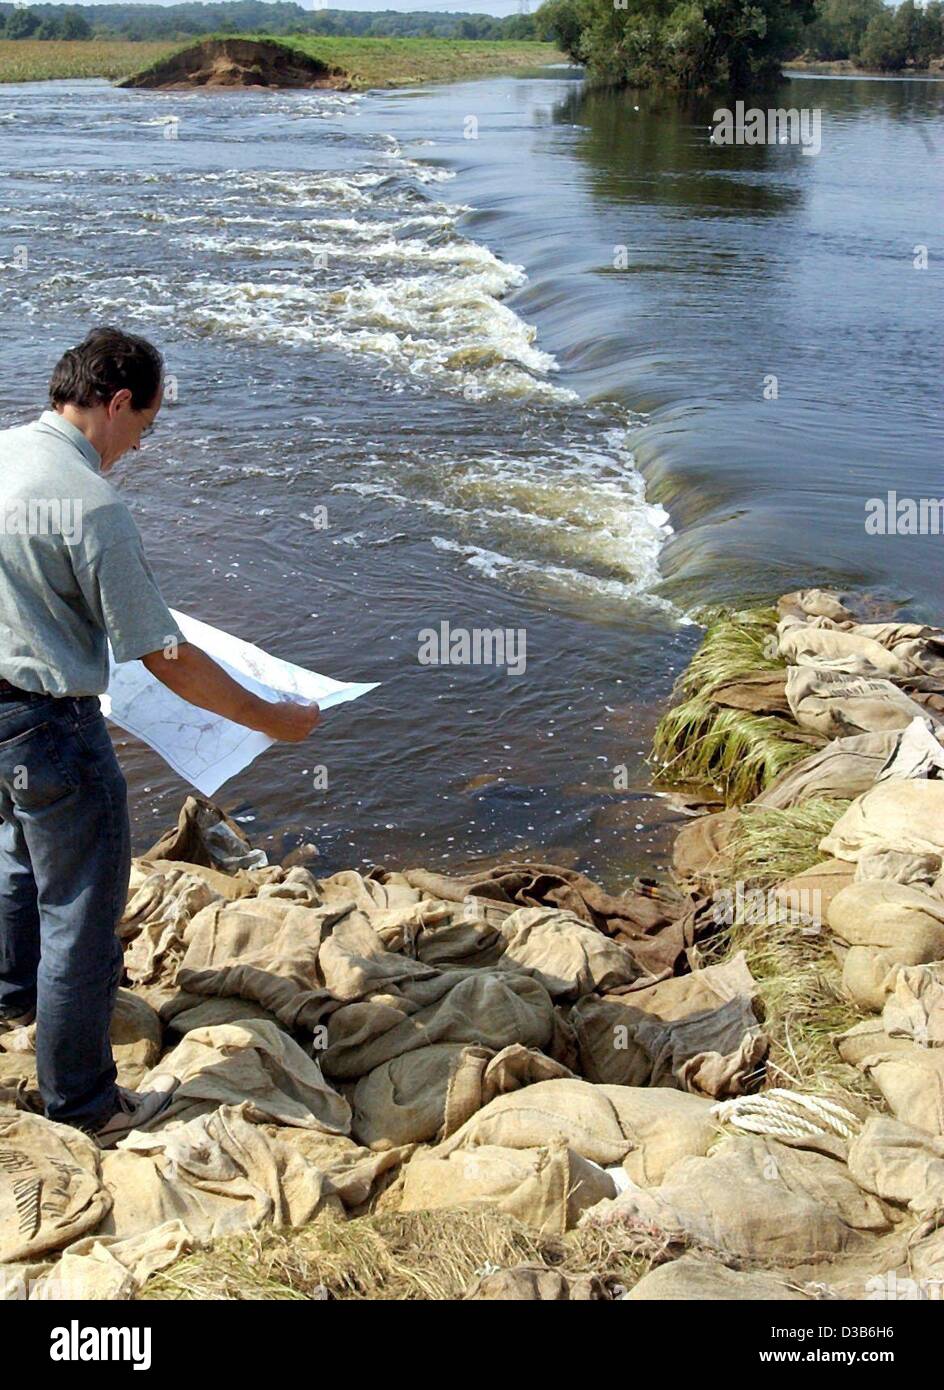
[(787, 1113)]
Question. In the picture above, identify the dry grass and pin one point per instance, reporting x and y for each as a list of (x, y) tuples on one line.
[(801, 1002), (434, 1255)]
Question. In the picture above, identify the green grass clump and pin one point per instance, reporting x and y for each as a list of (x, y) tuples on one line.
[(703, 744), (768, 846), (733, 645)]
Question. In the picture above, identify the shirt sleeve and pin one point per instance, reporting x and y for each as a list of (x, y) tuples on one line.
[(125, 601)]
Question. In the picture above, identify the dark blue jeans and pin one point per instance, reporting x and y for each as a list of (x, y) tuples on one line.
[(65, 858)]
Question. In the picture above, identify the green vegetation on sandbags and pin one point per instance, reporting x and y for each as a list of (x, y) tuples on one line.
[(769, 845), (698, 743)]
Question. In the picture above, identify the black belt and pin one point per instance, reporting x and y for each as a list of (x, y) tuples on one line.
[(12, 692)]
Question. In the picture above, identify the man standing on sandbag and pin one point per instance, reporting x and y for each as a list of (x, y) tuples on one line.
[(74, 577)]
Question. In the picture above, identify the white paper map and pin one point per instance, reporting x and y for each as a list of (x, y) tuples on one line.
[(203, 748)]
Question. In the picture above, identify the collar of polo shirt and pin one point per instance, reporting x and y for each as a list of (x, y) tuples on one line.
[(51, 419)]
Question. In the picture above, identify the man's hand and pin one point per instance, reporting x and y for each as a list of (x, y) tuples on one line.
[(196, 678), (291, 722)]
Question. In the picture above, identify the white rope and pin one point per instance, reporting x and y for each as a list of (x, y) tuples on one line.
[(789, 1113)]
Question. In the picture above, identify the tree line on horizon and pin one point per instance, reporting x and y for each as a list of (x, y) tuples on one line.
[(183, 21), (697, 45)]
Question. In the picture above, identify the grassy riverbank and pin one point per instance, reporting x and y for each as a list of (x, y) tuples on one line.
[(845, 67), (401, 62), (35, 60), (366, 62)]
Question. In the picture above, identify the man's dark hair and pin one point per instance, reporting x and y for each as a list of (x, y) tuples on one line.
[(104, 363)]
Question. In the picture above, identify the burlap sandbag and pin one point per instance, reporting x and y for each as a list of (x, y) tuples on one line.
[(713, 1052), (837, 706), (218, 1174), (885, 925), (896, 651), (814, 603), (844, 769), (925, 1262), (646, 920), (756, 692), (898, 815), (447, 935), (759, 1199), (428, 1093), (547, 1187), (647, 1130), (683, 995), (108, 1268), (868, 975), (895, 916), (156, 919), (918, 648), (371, 893), (700, 853), (253, 1063), (537, 1283), (867, 1039), (567, 956), (297, 962), (914, 1008), (878, 863), (810, 893), (910, 1078), (911, 1082), (136, 1038), (695, 1279), (51, 1190), (239, 884), (484, 1009), (352, 1173), (899, 1163), (184, 1012)]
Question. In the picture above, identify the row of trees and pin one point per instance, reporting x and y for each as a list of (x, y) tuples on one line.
[(876, 35), (248, 16), (700, 44), (26, 24)]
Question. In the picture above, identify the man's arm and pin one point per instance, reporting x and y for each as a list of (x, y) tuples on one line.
[(196, 678)]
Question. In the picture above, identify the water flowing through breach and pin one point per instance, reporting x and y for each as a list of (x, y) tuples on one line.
[(366, 437)]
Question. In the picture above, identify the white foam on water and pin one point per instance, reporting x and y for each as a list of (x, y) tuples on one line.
[(576, 514), (537, 574), (369, 263)]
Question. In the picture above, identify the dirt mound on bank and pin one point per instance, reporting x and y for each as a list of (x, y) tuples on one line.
[(239, 63)]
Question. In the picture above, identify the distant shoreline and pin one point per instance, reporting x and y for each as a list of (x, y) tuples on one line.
[(844, 67), (364, 62)]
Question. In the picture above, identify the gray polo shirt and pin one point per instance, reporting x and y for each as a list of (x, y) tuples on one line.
[(73, 573)]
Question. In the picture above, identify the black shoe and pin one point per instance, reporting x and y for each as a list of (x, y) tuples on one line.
[(135, 1110)]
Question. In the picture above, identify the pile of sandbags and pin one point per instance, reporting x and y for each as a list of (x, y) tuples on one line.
[(342, 1040), (517, 1038)]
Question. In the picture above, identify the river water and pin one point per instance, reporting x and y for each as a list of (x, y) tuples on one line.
[(498, 355)]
